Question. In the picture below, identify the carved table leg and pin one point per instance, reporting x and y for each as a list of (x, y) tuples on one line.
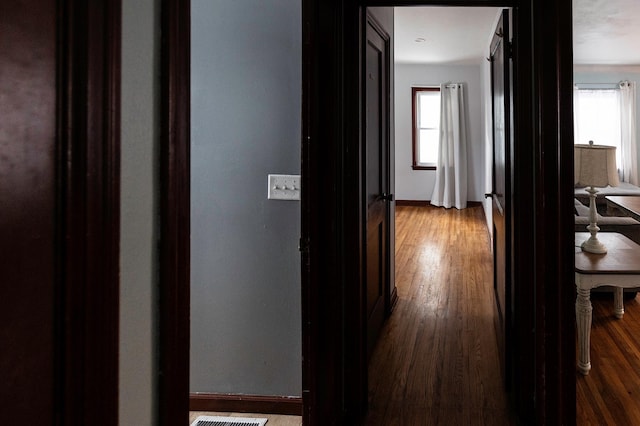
[(583, 319), (618, 303)]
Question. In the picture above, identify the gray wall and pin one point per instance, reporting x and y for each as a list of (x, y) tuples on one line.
[(245, 264), (610, 74), (139, 139), (418, 184)]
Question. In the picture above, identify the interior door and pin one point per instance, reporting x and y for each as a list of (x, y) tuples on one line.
[(501, 100), (377, 180)]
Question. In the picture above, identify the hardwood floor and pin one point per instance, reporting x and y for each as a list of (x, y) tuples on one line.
[(610, 394), (436, 362)]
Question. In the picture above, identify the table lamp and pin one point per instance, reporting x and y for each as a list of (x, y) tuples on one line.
[(595, 166)]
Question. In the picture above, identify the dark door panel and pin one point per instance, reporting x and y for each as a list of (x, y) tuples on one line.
[(501, 101), (377, 280)]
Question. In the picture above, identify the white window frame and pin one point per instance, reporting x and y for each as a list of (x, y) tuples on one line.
[(416, 92)]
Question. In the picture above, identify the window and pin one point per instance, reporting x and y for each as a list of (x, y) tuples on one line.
[(597, 118), (426, 127)]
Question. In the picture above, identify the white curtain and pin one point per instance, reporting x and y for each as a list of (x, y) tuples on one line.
[(629, 160), (451, 169)]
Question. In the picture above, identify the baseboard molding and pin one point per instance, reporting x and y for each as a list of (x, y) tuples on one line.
[(412, 203), (236, 403), (423, 203)]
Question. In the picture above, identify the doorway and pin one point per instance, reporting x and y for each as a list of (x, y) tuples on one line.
[(537, 293), (389, 376), (331, 215)]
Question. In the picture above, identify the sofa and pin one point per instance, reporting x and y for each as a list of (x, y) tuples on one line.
[(624, 225), (624, 188)]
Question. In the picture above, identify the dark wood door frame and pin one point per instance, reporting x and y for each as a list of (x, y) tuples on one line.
[(175, 204), (61, 155), (334, 385), (89, 179)]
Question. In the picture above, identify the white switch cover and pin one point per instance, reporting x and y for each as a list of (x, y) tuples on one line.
[(284, 187)]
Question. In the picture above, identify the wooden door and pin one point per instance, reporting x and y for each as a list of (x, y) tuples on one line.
[(377, 278), (501, 101)]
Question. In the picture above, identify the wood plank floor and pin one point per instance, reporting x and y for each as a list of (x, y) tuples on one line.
[(610, 394), (436, 362)]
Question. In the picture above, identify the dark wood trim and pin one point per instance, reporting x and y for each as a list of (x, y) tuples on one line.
[(414, 203), (174, 257), (330, 237), (553, 175), (289, 406), (352, 199), (89, 207), (414, 133), (523, 279), (424, 203), (310, 226)]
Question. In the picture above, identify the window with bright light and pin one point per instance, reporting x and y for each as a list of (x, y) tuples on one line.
[(597, 118), (426, 127)]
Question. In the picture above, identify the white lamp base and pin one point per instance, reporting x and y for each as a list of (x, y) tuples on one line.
[(593, 245)]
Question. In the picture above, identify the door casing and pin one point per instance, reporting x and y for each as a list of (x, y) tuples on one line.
[(60, 192), (334, 384)]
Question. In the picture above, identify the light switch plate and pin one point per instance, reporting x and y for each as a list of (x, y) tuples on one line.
[(284, 187)]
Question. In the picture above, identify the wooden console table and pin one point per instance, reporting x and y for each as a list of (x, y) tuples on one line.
[(627, 204), (619, 267)]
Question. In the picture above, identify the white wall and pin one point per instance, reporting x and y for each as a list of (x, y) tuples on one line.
[(487, 136), (418, 184), (139, 141), (487, 128)]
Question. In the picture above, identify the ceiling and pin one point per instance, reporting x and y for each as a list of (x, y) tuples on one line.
[(458, 35), (605, 32)]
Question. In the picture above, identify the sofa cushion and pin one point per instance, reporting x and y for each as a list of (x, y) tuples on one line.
[(607, 220)]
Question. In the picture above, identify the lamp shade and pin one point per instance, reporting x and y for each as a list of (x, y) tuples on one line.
[(595, 165)]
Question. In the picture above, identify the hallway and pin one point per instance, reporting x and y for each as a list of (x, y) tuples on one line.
[(436, 362)]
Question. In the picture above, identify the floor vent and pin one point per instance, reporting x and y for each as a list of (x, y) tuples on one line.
[(228, 421)]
